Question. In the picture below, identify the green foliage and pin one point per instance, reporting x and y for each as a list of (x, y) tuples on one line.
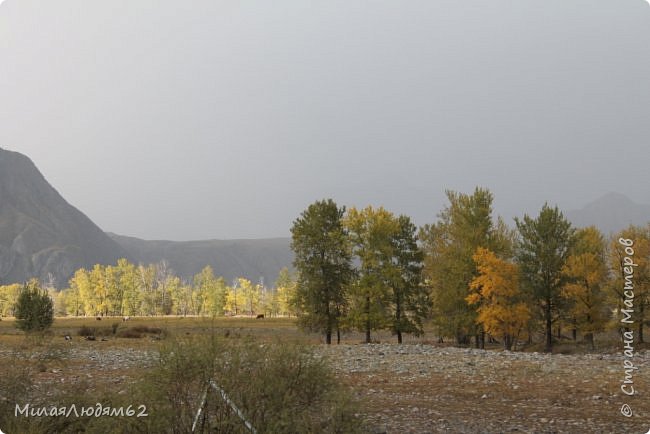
[(34, 309), (387, 293), (463, 226), (280, 388), (323, 260), (542, 252)]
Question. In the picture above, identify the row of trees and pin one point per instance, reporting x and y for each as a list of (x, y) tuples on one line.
[(129, 289), (383, 291), (471, 274)]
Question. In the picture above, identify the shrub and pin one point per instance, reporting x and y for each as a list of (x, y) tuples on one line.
[(130, 334), (34, 309), (146, 329), (281, 388), (86, 331)]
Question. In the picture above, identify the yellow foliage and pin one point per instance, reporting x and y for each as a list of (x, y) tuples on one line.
[(496, 291)]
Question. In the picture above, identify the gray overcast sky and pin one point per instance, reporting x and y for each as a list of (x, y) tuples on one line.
[(225, 119)]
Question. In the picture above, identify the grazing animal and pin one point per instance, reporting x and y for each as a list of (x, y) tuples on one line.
[(67, 337), (99, 318), (260, 316), (90, 338), (126, 318)]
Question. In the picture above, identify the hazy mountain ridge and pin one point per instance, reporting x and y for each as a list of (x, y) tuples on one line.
[(42, 235), (253, 259), (610, 213)]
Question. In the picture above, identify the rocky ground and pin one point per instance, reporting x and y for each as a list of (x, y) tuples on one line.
[(420, 388), (429, 389)]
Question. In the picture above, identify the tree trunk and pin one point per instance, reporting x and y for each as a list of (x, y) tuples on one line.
[(548, 348), (589, 337), (574, 332), (338, 336), (641, 318), (507, 342), (367, 312), (328, 330), (398, 319), (482, 338)]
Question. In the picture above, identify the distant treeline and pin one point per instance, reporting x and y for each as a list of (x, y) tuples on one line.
[(126, 289), (473, 276)]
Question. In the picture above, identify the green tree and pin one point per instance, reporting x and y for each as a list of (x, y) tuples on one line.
[(323, 260), (34, 309), (449, 245), (371, 231), (542, 252), (409, 297), (387, 293)]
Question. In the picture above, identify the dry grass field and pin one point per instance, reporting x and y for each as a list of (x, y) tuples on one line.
[(418, 387)]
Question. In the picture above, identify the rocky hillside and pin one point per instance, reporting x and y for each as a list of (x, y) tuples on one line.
[(42, 235)]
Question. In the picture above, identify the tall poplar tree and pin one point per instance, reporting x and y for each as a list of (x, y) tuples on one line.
[(449, 245), (543, 249), (323, 261)]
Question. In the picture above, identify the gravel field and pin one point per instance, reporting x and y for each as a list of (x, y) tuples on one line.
[(428, 389), (419, 388)]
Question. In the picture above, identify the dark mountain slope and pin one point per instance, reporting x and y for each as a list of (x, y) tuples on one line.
[(42, 235)]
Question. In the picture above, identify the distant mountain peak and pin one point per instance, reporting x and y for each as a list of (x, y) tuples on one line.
[(610, 213), (42, 235)]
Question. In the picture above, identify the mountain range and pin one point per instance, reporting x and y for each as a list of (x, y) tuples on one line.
[(42, 235)]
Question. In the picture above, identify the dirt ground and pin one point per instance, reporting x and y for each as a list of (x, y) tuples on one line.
[(418, 387)]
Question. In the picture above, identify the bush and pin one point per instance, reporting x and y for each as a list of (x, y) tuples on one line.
[(34, 309), (280, 388), (146, 329), (86, 331), (130, 334)]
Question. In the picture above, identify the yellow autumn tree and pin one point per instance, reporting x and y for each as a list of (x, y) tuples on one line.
[(495, 291), (638, 252), (586, 270)]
